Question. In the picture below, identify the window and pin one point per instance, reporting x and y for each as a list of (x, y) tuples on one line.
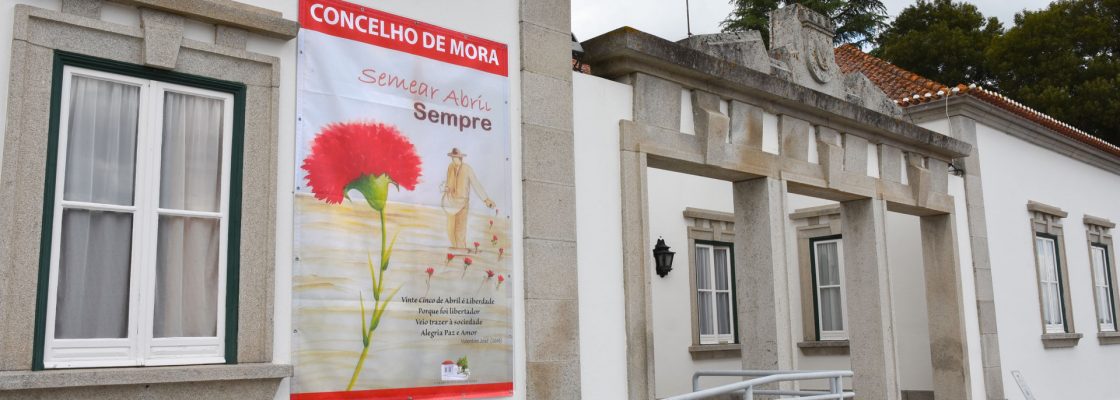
[(138, 266), (714, 298), (828, 288), (1055, 310), (1102, 288), (1050, 284)]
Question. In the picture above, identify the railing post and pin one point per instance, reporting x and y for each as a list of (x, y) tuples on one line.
[(749, 393), (835, 387)]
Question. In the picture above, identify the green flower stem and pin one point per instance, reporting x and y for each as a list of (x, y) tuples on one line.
[(376, 199)]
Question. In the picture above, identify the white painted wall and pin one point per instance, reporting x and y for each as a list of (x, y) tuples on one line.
[(1015, 171), (602, 314), (669, 194), (908, 291), (907, 280), (802, 361)]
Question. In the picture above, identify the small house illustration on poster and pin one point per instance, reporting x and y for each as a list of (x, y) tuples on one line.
[(454, 371)]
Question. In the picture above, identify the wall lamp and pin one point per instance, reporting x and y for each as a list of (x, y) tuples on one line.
[(663, 257)]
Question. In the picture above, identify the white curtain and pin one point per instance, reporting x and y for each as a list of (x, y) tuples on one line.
[(1102, 286), (187, 254), (704, 289), (723, 296), (1051, 292), (96, 246), (828, 280)]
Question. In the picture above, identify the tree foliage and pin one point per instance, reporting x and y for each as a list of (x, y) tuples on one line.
[(1063, 61), (857, 21), (941, 40)]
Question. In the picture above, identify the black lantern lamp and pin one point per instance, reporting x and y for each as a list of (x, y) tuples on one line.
[(663, 257)]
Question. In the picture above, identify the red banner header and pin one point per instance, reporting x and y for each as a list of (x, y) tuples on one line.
[(367, 25)]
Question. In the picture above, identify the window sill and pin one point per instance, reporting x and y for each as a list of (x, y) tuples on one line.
[(710, 351), (1108, 337), (824, 347), (60, 378), (1060, 340)]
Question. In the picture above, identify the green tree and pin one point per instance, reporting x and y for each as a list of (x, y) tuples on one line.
[(1063, 62), (941, 40), (857, 21)]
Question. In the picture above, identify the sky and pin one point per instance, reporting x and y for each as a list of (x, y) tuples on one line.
[(666, 18)]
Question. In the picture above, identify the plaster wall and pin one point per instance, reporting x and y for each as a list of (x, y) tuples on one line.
[(672, 192), (904, 258), (492, 19), (602, 314), (669, 194), (1014, 172)]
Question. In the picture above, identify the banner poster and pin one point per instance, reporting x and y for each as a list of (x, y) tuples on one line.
[(401, 286)]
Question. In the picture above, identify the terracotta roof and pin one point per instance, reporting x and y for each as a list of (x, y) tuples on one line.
[(908, 88)]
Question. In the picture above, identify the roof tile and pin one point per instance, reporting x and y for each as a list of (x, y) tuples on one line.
[(908, 88)]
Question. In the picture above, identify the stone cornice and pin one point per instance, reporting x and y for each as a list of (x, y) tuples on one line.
[(226, 12), (626, 50)]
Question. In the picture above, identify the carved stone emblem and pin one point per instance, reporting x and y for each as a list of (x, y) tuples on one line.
[(818, 60)]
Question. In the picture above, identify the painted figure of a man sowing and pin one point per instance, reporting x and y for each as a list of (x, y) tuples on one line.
[(457, 197)]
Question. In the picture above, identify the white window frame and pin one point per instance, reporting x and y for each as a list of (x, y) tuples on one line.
[(1053, 266), (1102, 282), (716, 337), (139, 348), (817, 287)]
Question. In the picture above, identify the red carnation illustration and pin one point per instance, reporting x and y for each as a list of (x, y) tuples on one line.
[(429, 271), (476, 247), (350, 155), (489, 275), (467, 261), (494, 240), (501, 252), (367, 157), (450, 257), (500, 280), (491, 225)]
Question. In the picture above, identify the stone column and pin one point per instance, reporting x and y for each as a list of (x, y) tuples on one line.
[(548, 191), (945, 305), (760, 274), (636, 267), (964, 128), (870, 317)]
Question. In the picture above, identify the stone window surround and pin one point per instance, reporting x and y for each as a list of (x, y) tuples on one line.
[(1046, 220), (1098, 233), (158, 42), (709, 226), (823, 221)]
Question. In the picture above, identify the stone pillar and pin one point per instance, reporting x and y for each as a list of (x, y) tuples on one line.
[(550, 281), (760, 274), (945, 305), (636, 267), (964, 128), (870, 317)]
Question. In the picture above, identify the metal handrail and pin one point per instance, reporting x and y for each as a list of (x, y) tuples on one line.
[(748, 387)]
